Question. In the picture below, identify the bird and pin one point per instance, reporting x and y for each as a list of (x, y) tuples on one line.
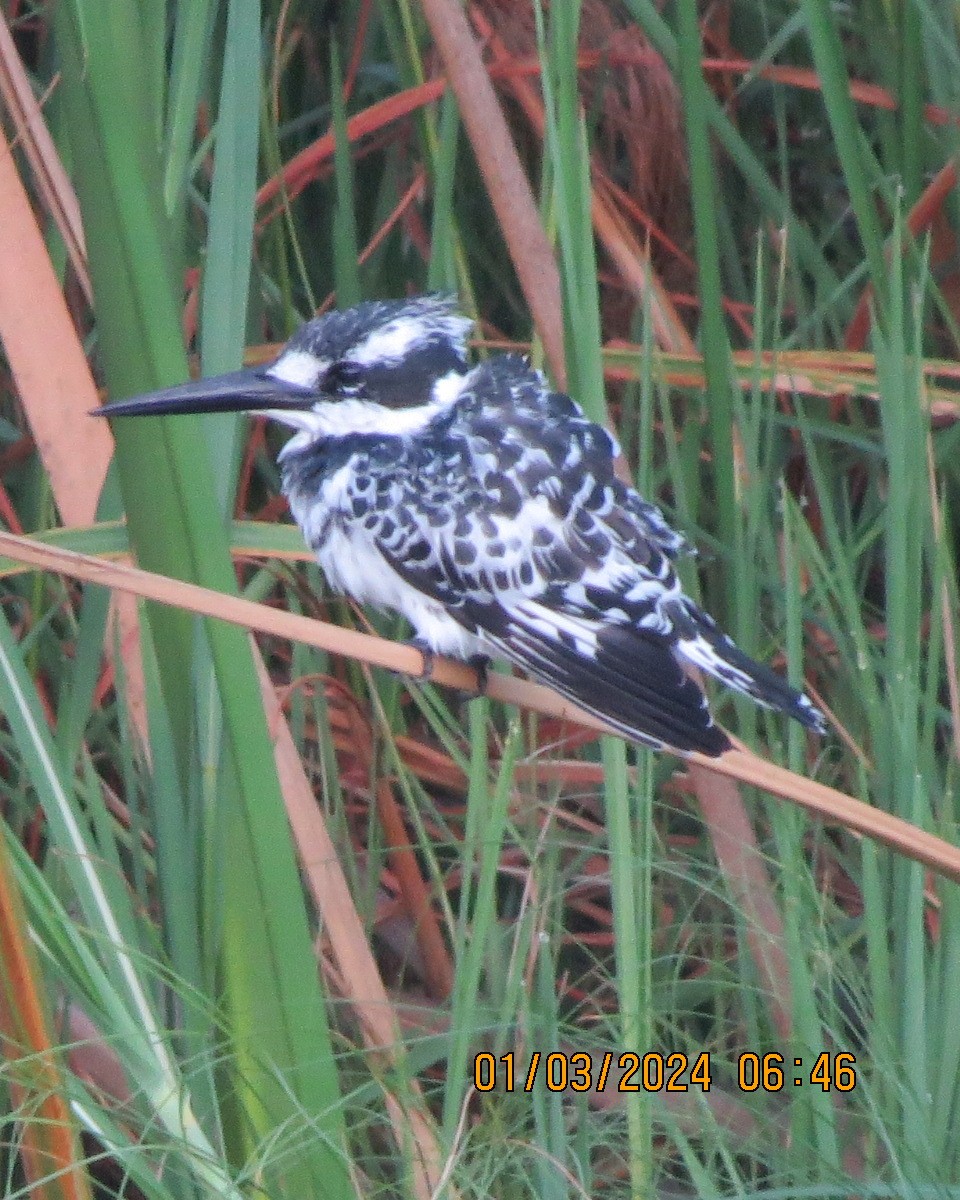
[(483, 505)]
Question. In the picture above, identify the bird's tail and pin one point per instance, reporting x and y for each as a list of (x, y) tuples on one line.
[(701, 643)]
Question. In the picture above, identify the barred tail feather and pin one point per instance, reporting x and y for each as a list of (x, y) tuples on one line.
[(701, 643)]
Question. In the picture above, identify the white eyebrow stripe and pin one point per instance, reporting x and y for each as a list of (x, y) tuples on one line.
[(391, 342), (298, 367)]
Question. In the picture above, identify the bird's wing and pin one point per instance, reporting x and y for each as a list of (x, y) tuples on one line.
[(559, 630), (541, 440), (610, 549), (514, 522)]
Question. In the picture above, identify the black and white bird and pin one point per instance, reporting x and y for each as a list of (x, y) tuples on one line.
[(484, 507)]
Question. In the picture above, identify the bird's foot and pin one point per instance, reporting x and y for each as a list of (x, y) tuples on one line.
[(429, 658), (481, 664)]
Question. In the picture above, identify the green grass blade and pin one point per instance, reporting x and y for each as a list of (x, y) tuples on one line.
[(226, 277), (82, 674), (629, 815), (831, 67), (193, 26), (281, 1068), (487, 820), (715, 344), (442, 275), (774, 203), (346, 251)]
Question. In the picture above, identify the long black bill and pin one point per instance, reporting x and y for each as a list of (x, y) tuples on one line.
[(238, 391)]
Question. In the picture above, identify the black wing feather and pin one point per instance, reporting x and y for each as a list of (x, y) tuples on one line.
[(634, 683)]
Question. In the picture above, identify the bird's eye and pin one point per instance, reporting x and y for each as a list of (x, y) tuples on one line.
[(345, 379)]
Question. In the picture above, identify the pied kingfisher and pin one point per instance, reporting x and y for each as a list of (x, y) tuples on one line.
[(484, 507)]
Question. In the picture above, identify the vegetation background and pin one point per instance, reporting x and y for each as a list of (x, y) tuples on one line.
[(730, 230)]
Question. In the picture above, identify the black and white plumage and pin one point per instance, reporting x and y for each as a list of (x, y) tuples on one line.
[(484, 507)]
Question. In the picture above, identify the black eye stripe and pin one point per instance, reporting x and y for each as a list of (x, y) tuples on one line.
[(345, 376)]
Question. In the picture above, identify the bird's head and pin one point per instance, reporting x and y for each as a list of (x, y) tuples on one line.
[(390, 352)]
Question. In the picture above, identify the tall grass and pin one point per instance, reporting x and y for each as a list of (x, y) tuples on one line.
[(501, 885)]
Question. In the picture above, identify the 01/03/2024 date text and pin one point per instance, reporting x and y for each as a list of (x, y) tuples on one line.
[(656, 1072)]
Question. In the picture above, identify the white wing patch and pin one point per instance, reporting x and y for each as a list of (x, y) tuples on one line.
[(697, 650), (556, 625)]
